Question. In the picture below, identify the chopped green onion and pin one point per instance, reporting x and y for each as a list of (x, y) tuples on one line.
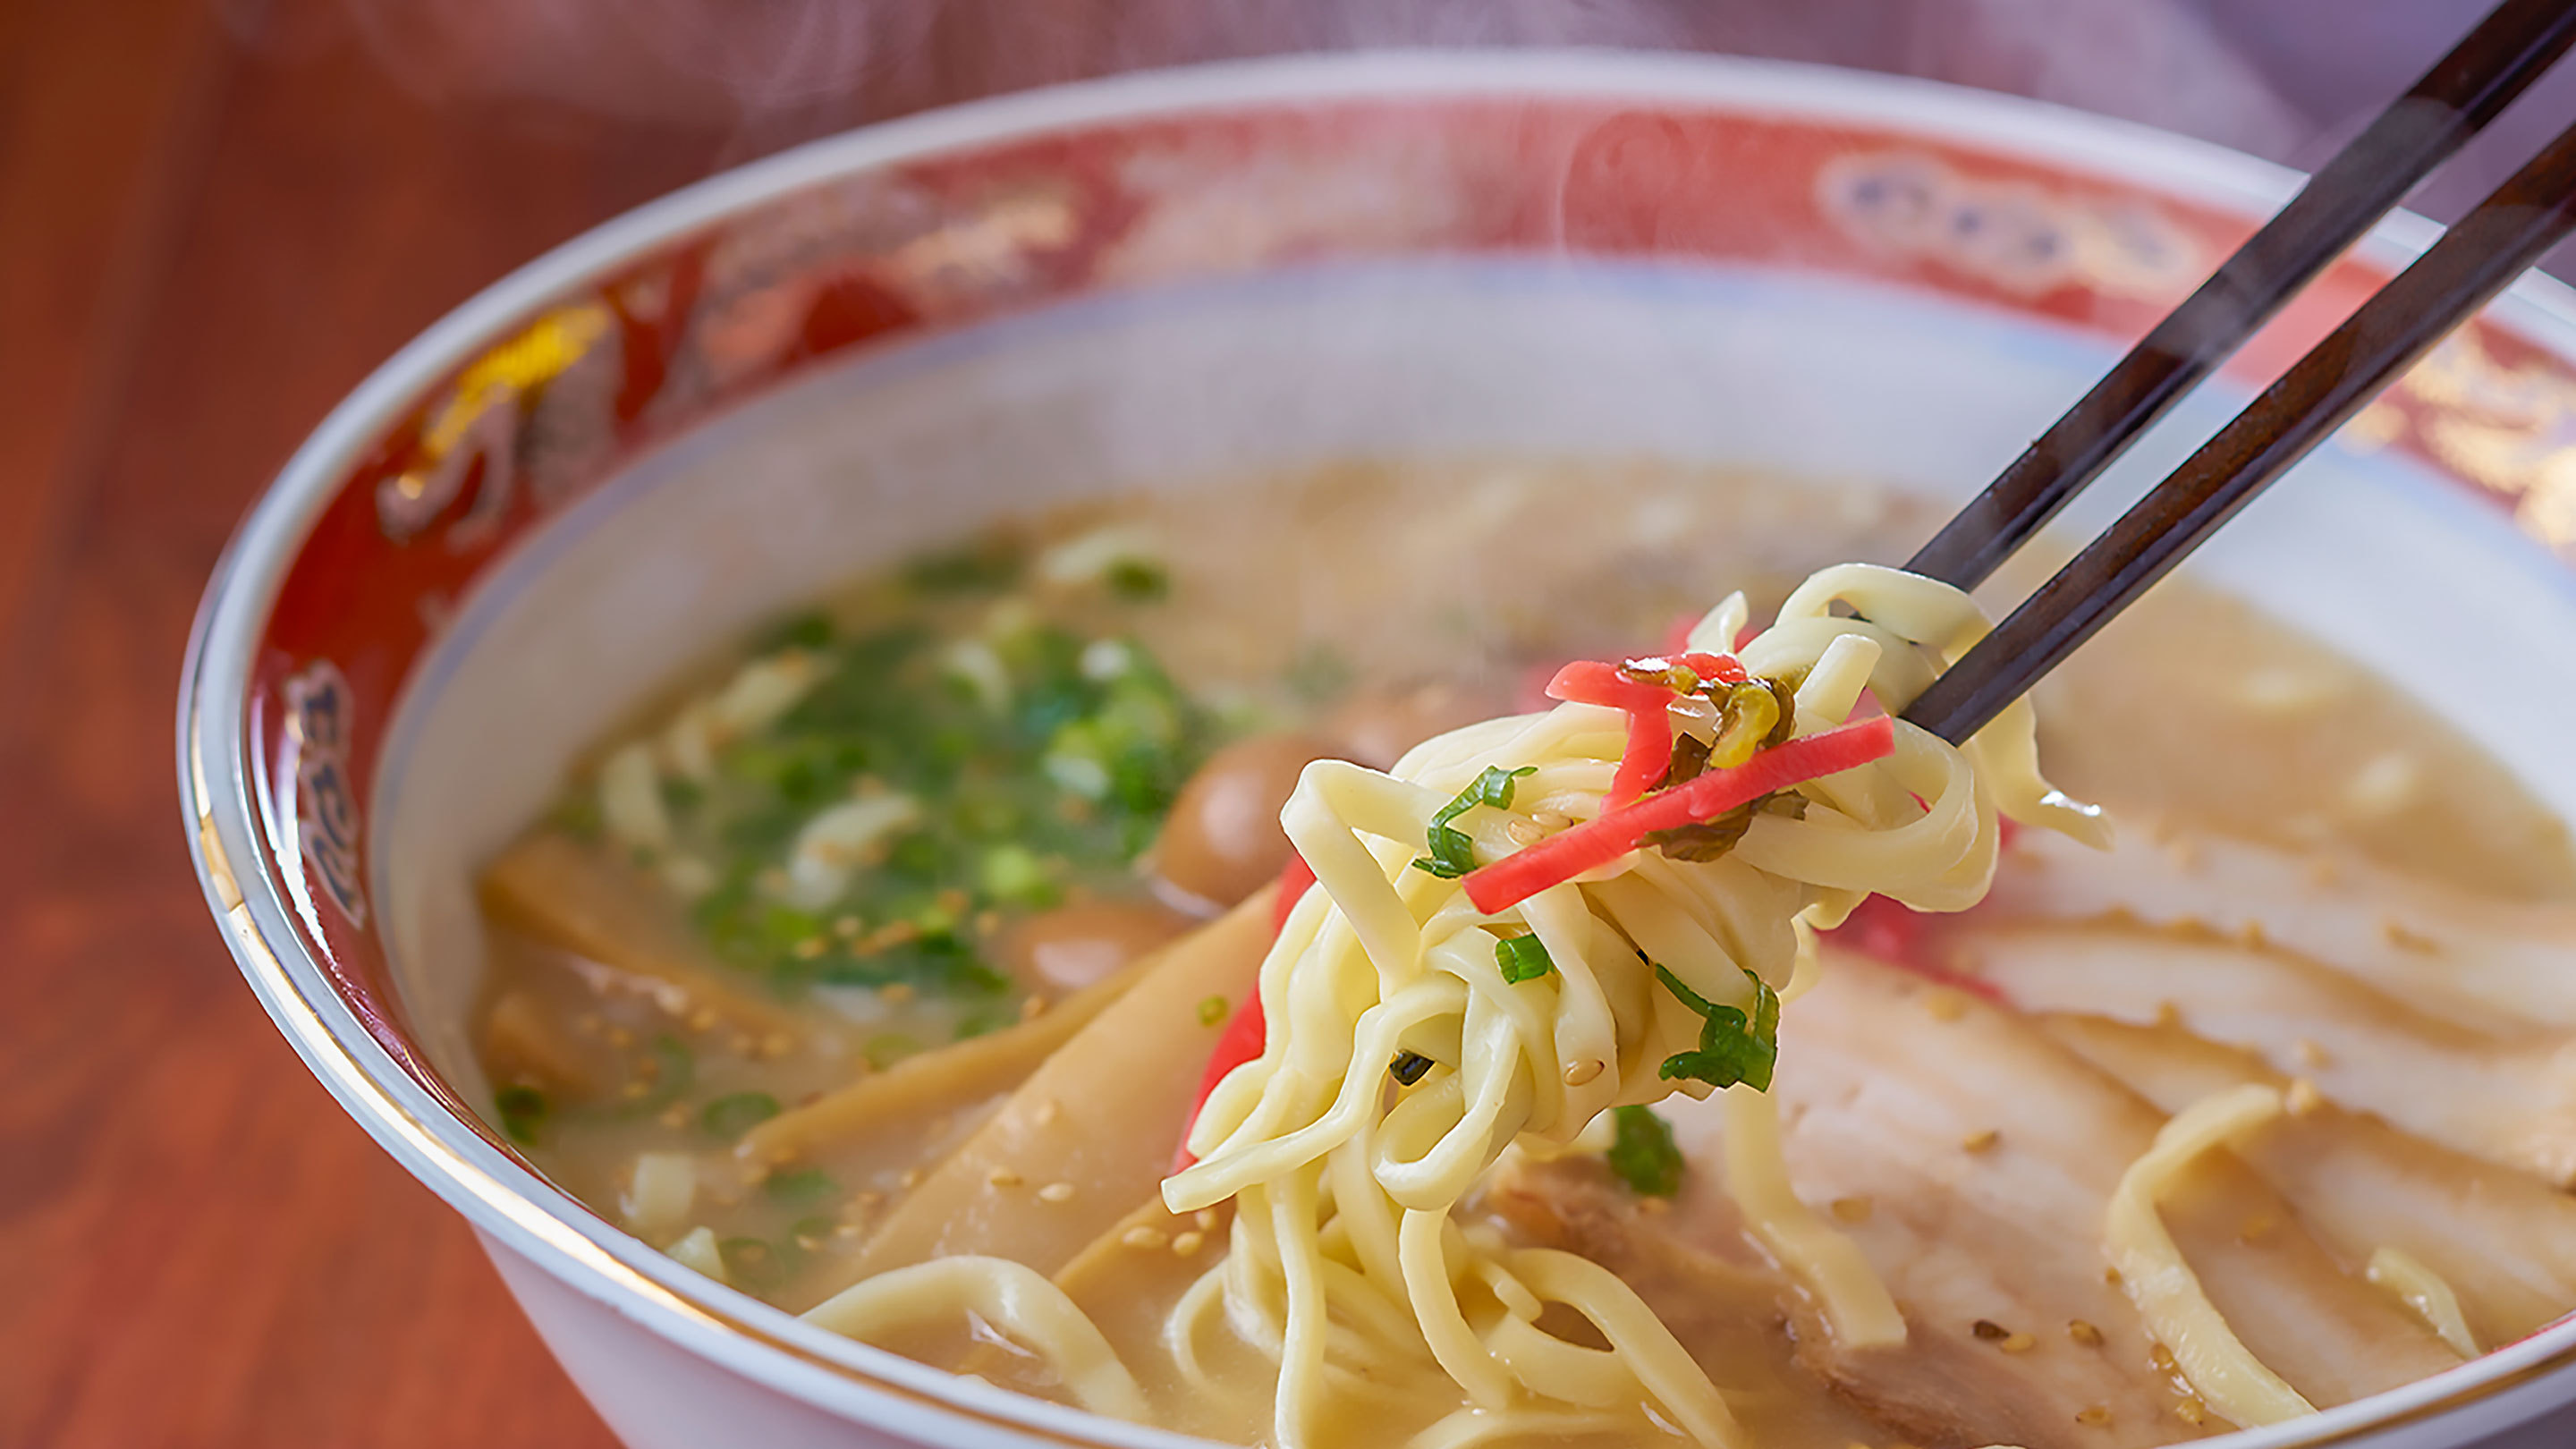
[(1732, 1048), (818, 1230), (681, 795), (523, 1112), (1643, 1154), (1493, 787), (1012, 872), (1138, 580), (810, 630), (1408, 1068), (1213, 1010), (984, 565), (752, 1264), (803, 1186), (577, 815), (1523, 958), (1453, 851), (736, 1113)]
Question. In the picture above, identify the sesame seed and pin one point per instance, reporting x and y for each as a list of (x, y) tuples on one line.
[(2094, 1416), (2251, 935), (2084, 1333), (988, 923), (1523, 832), (1989, 1330), (588, 1023), (1056, 1192), (1852, 1209), (2111, 1276), (2161, 1356), (1033, 1008), (895, 993), (703, 1019), (1205, 1218), (1981, 1141), (2303, 1097), (2310, 1055), (677, 1117), (2257, 1227), (911, 1178), (1142, 1236), (846, 927), (1048, 1110), (619, 1036), (1003, 1177), (2018, 1343), (1187, 1244), (952, 900), (1551, 820), (2191, 1412), (2168, 1014), (1945, 1004), (777, 1044), (633, 1090), (807, 949), (1578, 1073)]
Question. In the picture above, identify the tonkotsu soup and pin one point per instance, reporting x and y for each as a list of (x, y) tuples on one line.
[(1407, 955)]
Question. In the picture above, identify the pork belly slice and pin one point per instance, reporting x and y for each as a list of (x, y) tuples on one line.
[(2505, 1241), (2493, 965), (2508, 1102), (1972, 1158)]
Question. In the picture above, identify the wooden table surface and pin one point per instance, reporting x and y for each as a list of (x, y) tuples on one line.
[(215, 217)]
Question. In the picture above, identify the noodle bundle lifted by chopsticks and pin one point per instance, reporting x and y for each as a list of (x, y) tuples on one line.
[(1534, 920)]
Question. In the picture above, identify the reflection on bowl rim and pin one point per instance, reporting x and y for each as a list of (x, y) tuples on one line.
[(502, 1197)]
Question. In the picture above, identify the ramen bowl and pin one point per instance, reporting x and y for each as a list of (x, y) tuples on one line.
[(698, 414)]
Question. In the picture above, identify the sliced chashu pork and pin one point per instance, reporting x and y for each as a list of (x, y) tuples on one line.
[(1699, 1272), (2503, 1240), (2510, 1102), (1890, 1089), (2497, 966), (1100, 1117)]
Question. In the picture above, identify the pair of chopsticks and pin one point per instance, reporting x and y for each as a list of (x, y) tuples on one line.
[(2461, 273)]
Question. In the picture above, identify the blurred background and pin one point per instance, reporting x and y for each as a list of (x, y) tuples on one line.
[(217, 215)]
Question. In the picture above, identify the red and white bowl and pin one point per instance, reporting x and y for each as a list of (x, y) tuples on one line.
[(710, 408)]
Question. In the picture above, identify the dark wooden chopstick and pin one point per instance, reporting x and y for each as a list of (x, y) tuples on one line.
[(2517, 41), (2475, 260)]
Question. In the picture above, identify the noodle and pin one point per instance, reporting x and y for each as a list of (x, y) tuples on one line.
[(1016, 1299), (2411, 1282), (1348, 1198), (2169, 1297)]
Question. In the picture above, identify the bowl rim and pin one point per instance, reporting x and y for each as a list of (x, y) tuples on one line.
[(513, 1207)]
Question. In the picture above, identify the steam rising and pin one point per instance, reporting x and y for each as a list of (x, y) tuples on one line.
[(774, 71)]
